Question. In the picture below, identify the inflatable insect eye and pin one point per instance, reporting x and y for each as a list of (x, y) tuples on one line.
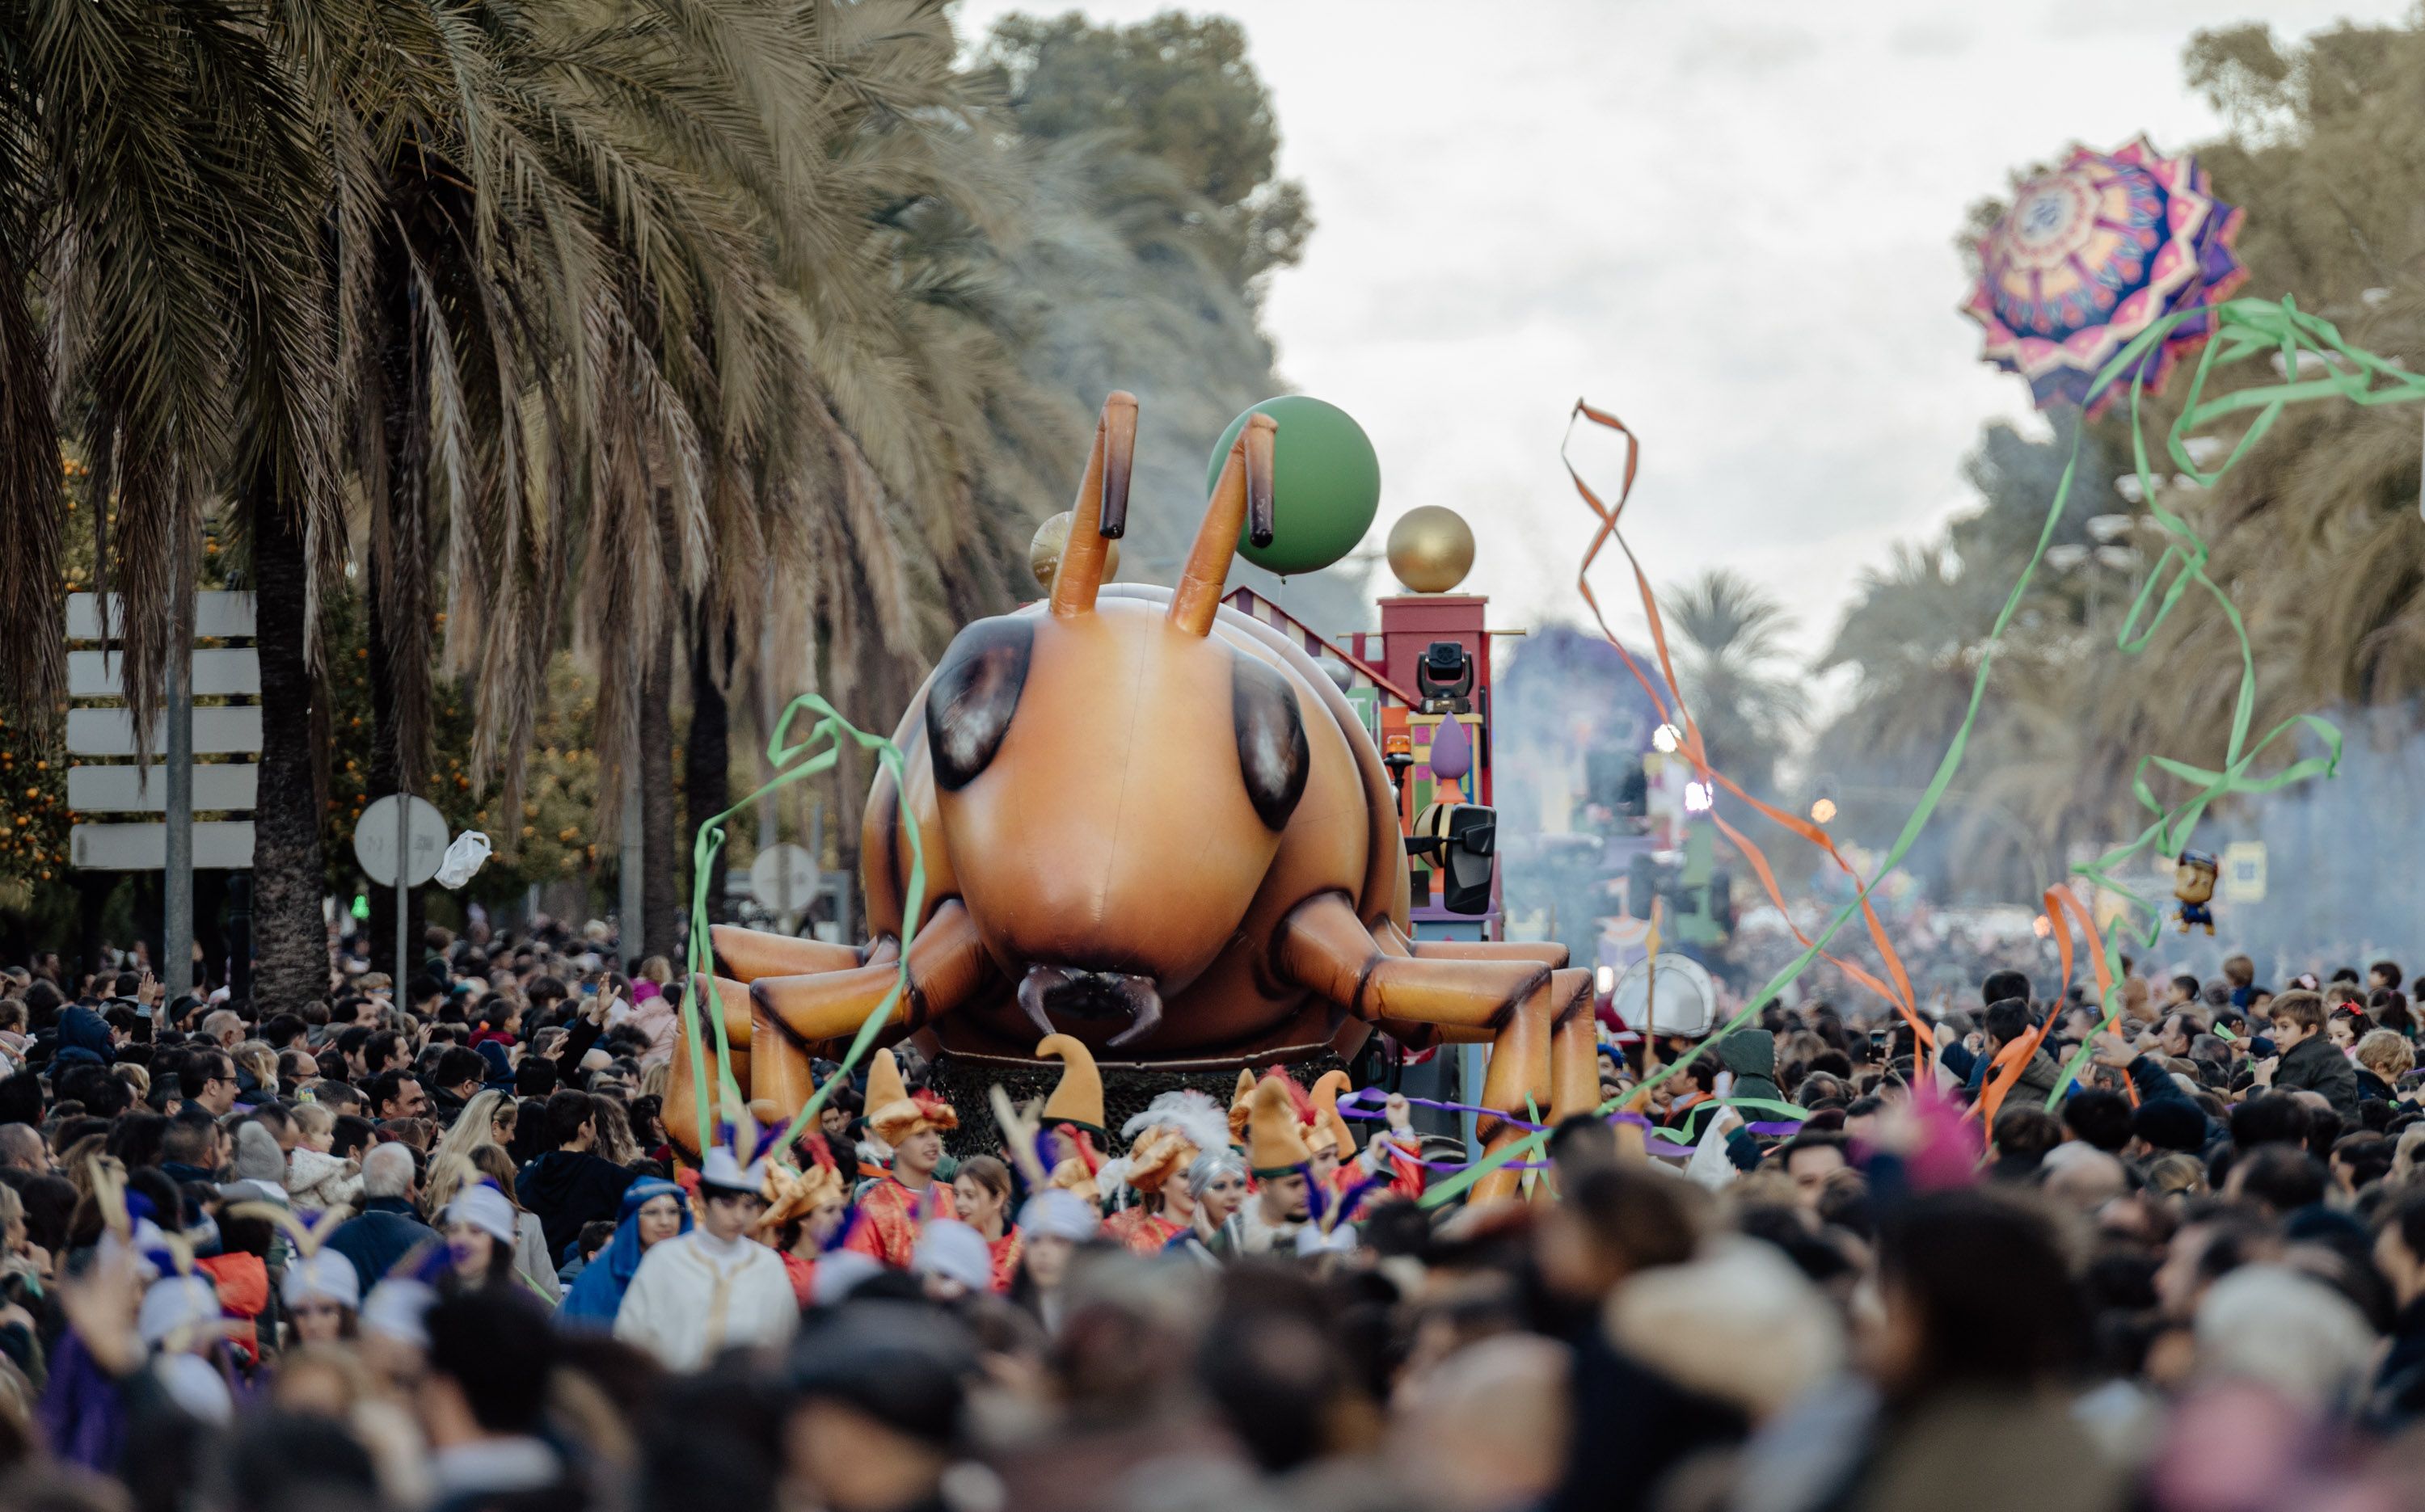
[(975, 692), (1272, 754)]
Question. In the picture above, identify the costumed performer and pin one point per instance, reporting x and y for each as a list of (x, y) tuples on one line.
[(323, 1296), (321, 1292), (1052, 1225), (953, 1261), (982, 1188), (1073, 1117), (180, 1322), (1389, 1159), (1164, 1141), (911, 1125), (479, 1227), (805, 1209), (653, 1211), (1216, 1181), (713, 1288), (1277, 1158)]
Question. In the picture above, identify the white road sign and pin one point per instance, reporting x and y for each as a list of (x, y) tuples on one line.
[(217, 616), (223, 845), (219, 672), (783, 879), (145, 790), (222, 730), (374, 842)]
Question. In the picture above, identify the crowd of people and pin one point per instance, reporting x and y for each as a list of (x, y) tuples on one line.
[(430, 1244)]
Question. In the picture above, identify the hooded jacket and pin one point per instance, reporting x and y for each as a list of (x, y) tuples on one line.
[(496, 1052), (84, 1038), (1751, 1055)]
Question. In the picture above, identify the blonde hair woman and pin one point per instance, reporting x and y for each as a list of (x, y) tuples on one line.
[(531, 1258), (475, 1126)]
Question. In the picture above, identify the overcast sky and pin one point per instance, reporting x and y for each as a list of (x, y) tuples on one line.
[(1731, 224)]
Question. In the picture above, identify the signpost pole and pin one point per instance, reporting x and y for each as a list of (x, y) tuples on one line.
[(403, 877), (177, 882)]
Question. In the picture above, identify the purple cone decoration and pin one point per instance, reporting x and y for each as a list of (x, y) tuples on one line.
[(1452, 751)]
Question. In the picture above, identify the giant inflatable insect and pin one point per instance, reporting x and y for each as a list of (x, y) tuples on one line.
[(1153, 823)]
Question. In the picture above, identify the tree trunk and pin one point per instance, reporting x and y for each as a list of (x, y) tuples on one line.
[(290, 939), (850, 801), (707, 755), (398, 573), (383, 784), (661, 900)]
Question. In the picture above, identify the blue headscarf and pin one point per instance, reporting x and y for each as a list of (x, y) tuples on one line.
[(597, 1293)]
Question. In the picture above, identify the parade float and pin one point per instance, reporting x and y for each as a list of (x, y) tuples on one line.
[(1176, 830)]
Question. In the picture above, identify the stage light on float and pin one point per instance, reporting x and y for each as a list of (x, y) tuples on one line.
[(1665, 739), (1604, 980), (1822, 811), (1697, 798)]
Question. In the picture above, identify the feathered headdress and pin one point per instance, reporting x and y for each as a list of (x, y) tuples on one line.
[(1174, 1129)]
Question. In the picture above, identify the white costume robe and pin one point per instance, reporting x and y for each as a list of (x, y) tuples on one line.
[(693, 1295)]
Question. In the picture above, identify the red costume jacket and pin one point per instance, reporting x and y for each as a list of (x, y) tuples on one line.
[(890, 1216)]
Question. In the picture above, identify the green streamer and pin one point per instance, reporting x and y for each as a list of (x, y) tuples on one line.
[(1758, 1105), (2242, 328), (791, 763)]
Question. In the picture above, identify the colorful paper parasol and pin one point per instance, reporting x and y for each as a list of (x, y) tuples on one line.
[(2091, 255)]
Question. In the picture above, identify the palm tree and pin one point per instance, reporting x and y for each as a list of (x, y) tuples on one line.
[(160, 201), (1729, 635), (559, 236), (157, 269), (897, 459)]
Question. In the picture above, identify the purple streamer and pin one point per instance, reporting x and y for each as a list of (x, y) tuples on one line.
[(1370, 1097)]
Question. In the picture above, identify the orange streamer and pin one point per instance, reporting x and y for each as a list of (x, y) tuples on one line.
[(2014, 1058), (1900, 994)]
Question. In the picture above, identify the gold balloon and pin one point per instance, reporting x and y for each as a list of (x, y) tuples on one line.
[(1051, 539), (1431, 548)]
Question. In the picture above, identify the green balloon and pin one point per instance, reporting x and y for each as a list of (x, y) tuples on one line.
[(1325, 484)]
